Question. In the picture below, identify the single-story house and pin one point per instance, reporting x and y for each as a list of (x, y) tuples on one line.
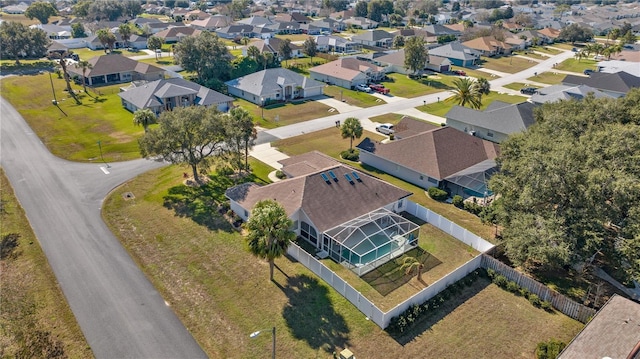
[(235, 31), (347, 72), (327, 25), (440, 30), (272, 45), (458, 54), (164, 95), (612, 333), (394, 62), (212, 23), (284, 28), (255, 21), (115, 68), (361, 23), (54, 32), (488, 46), (275, 84), (196, 15), (516, 41), (298, 17), (616, 84), (495, 123), (345, 214), (565, 92), (376, 38), (135, 41), (613, 66), (176, 33), (336, 44), (441, 157), (550, 32)]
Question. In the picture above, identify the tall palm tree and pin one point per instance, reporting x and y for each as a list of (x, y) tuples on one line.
[(466, 93), (84, 65), (352, 129), (144, 117), (270, 232), (125, 32), (483, 86)]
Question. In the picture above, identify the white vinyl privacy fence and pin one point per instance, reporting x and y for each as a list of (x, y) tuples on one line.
[(367, 307)]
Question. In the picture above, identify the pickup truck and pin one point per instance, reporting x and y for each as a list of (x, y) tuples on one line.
[(379, 88)]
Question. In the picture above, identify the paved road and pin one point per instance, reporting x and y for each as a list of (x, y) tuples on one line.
[(398, 106), (119, 311)]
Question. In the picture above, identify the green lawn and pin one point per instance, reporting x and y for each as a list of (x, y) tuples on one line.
[(202, 269), (545, 49), (402, 86), (393, 118), (530, 54), (442, 107), (518, 85), (294, 37), (75, 136), (282, 114), (161, 61), (574, 65), (260, 170), (508, 64), (86, 53), (354, 98), (10, 65), (31, 297), (551, 78)]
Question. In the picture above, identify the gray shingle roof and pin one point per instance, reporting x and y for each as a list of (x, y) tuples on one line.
[(326, 205), (267, 81), (455, 50), (565, 92), (152, 93), (620, 82), (499, 116)]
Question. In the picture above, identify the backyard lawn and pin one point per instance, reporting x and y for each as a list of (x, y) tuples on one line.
[(508, 64), (545, 49), (86, 53), (402, 86), (282, 114), (518, 85), (222, 293), (161, 61), (392, 118), (574, 65), (352, 97), (441, 108), (30, 294), (74, 136), (551, 78)]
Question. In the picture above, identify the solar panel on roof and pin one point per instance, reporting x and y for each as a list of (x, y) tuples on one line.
[(355, 175)]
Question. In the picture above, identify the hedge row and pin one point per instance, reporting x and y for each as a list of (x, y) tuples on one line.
[(513, 287), (418, 312)]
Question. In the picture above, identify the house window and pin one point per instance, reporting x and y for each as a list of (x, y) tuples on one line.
[(489, 134), (421, 177), (432, 180), (246, 213)]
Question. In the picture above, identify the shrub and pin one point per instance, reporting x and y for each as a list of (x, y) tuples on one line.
[(525, 292), (437, 194), (491, 273), (500, 280), (280, 174), (535, 300), (550, 349), (458, 201), (351, 155), (473, 208), (225, 171), (513, 287), (546, 305)]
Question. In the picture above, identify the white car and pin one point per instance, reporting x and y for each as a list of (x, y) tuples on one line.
[(385, 128), (363, 87)]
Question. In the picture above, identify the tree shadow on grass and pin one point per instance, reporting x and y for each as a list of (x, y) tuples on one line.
[(444, 309), (310, 315), (201, 203)]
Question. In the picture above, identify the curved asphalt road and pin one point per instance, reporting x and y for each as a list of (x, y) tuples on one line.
[(119, 311)]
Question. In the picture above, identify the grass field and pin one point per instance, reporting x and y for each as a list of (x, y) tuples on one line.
[(551, 78), (545, 49), (21, 18), (402, 86), (393, 118), (86, 53), (74, 136), (577, 66), (352, 97), (30, 296), (222, 293), (508, 64), (441, 108), (287, 113)]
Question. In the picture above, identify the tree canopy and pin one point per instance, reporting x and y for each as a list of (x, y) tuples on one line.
[(415, 54), (570, 185), (19, 41), (466, 92), (207, 56), (575, 32), (270, 232), (186, 135), (41, 10)]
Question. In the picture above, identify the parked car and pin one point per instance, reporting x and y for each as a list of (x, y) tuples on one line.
[(587, 72), (574, 49), (528, 90), (379, 88), (385, 128), (363, 88), (459, 72)]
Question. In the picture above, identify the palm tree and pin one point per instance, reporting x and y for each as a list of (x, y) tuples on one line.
[(244, 132), (106, 38), (409, 264), (84, 65), (144, 117), (270, 232), (465, 92), (483, 86), (253, 52), (125, 33), (352, 129)]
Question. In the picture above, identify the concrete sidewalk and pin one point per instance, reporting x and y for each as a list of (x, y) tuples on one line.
[(341, 107), (267, 154), (415, 113)]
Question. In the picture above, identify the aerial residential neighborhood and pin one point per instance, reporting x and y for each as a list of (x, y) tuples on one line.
[(320, 179)]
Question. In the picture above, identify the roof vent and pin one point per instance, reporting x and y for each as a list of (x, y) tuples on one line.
[(325, 178), (333, 176)]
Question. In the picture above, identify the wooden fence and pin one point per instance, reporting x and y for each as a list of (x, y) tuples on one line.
[(565, 305)]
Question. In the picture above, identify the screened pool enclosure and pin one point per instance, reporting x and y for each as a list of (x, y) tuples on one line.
[(366, 242)]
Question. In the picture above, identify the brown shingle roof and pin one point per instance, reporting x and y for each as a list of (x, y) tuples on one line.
[(442, 151), (345, 68), (326, 205), (409, 126), (115, 63), (306, 163)]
